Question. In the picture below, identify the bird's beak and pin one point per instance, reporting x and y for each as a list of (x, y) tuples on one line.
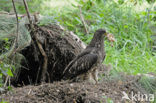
[(105, 34), (110, 38)]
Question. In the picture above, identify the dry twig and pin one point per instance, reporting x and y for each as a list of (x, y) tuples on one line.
[(6, 81), (83, 21), (44, 69), (16, 39), (28, 14), (16, 19)]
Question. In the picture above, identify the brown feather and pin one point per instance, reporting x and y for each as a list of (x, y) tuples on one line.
[(91, 56)]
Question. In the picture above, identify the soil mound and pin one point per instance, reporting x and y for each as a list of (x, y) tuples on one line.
[(83, 92)]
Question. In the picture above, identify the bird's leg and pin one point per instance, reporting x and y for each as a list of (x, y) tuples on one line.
[(90, 77), (95, 75)]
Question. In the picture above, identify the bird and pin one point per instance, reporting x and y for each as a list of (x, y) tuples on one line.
[(85, 65)]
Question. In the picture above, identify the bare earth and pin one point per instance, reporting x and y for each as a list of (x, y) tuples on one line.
[(83, 92)]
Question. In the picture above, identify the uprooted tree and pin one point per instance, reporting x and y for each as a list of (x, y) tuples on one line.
[(42, 52), (59, 46)]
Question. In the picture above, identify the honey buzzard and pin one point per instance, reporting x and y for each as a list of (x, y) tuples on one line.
[(85, 65)]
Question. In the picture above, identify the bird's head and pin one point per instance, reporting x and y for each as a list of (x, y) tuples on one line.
[(100, 34)]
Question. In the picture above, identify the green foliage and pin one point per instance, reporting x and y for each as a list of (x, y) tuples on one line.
[(34, 6), (108, 100), (6, 69), (149, 83), (5, 45), (6, 5), (3, 101), (47, 20)]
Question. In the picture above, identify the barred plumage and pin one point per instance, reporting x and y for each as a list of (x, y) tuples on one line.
[(87, 61)]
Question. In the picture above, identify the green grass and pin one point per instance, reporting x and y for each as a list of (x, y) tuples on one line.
[(134, 61), (131, 52)]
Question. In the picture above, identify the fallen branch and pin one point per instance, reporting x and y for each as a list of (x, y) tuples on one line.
[(44, 68), (6, 81), (28, 14), (16, 19)]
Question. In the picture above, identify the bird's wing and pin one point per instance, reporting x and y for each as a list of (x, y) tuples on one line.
[(86, 51), (80, 65)]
